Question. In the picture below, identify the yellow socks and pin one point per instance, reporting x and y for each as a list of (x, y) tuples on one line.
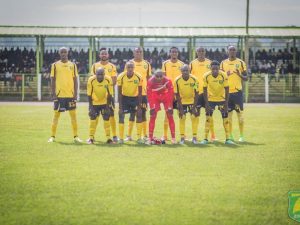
[(226, 127), (139, 130), (93, 125), (230, 122), (195, 122), (130, 127), (73, 122), (240, 116), (54, 123), (212, 128), (207, 126), (107, 128), (113, 125), (182, 126), (144, 129), (121, 131)]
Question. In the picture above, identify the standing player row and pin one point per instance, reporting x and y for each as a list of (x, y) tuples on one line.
[(189, 87)]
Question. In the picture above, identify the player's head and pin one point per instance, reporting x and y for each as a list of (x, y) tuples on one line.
[(174, 52), (129, 67), (100, 72), (201, 52), (63, 53), (215, 67), (185, 71), (158, 74), (231, 51), (103, 54), (138, 53)]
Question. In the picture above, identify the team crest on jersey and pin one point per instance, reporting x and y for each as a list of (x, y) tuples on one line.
[(70, 67), (109, 70), (221, 81), (294, 205), (135, 81), (145, 67), (237, 66), (208, 66)]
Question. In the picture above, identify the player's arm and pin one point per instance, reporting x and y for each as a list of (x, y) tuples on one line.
[(243, 75), (226, 98), (114, 75), (195, 103), (120, 99), (206, 99), (53, 82), (75, 76)]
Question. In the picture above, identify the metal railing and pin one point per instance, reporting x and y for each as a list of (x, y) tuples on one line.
[(259, 88)]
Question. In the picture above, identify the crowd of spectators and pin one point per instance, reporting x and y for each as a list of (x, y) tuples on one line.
[(16, 61)]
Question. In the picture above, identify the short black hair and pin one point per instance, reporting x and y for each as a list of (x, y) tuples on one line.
[(214, 63), (101, 49), (173, 47)]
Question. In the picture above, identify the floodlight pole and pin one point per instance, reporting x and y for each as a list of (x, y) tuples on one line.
[(246, 49)]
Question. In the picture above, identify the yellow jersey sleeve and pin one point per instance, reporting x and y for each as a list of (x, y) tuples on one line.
[(205, 80), (176, 85), (93, 70), (226, 84), (110, 86), (89, 86), (53, 70), (119, 79), (75, 73), (163, 67)]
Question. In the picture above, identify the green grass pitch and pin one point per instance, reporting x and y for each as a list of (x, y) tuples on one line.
[(65, 183)]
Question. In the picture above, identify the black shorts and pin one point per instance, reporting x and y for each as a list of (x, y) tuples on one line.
[(175, 104), (201, 102), (64, 104), (129, 104), (98, 110), (187, 108), (220, 106), (236, 102), (144, 103)]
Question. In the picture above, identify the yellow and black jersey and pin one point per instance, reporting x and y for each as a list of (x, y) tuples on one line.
[(198, 69), (172, 69), (99, 90), (186, 89), (230, 67), (143, 68), (130, 85), (64, 74), (215, 86), (109, 68)]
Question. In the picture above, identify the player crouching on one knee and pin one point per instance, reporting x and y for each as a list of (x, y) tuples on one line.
[(130, 100), (160, 90), (186, 90), (99, 89), (216, 92)]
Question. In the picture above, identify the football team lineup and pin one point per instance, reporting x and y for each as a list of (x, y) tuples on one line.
[(204, 83)]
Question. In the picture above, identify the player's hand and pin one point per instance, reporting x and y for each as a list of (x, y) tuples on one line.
[(207, 108), (54, 97), (195, 112), (107, 110)]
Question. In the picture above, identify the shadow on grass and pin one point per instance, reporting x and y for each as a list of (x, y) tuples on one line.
[(250, 143), (222, 144)]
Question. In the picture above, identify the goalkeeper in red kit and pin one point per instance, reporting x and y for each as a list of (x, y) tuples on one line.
[(160, 90)]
